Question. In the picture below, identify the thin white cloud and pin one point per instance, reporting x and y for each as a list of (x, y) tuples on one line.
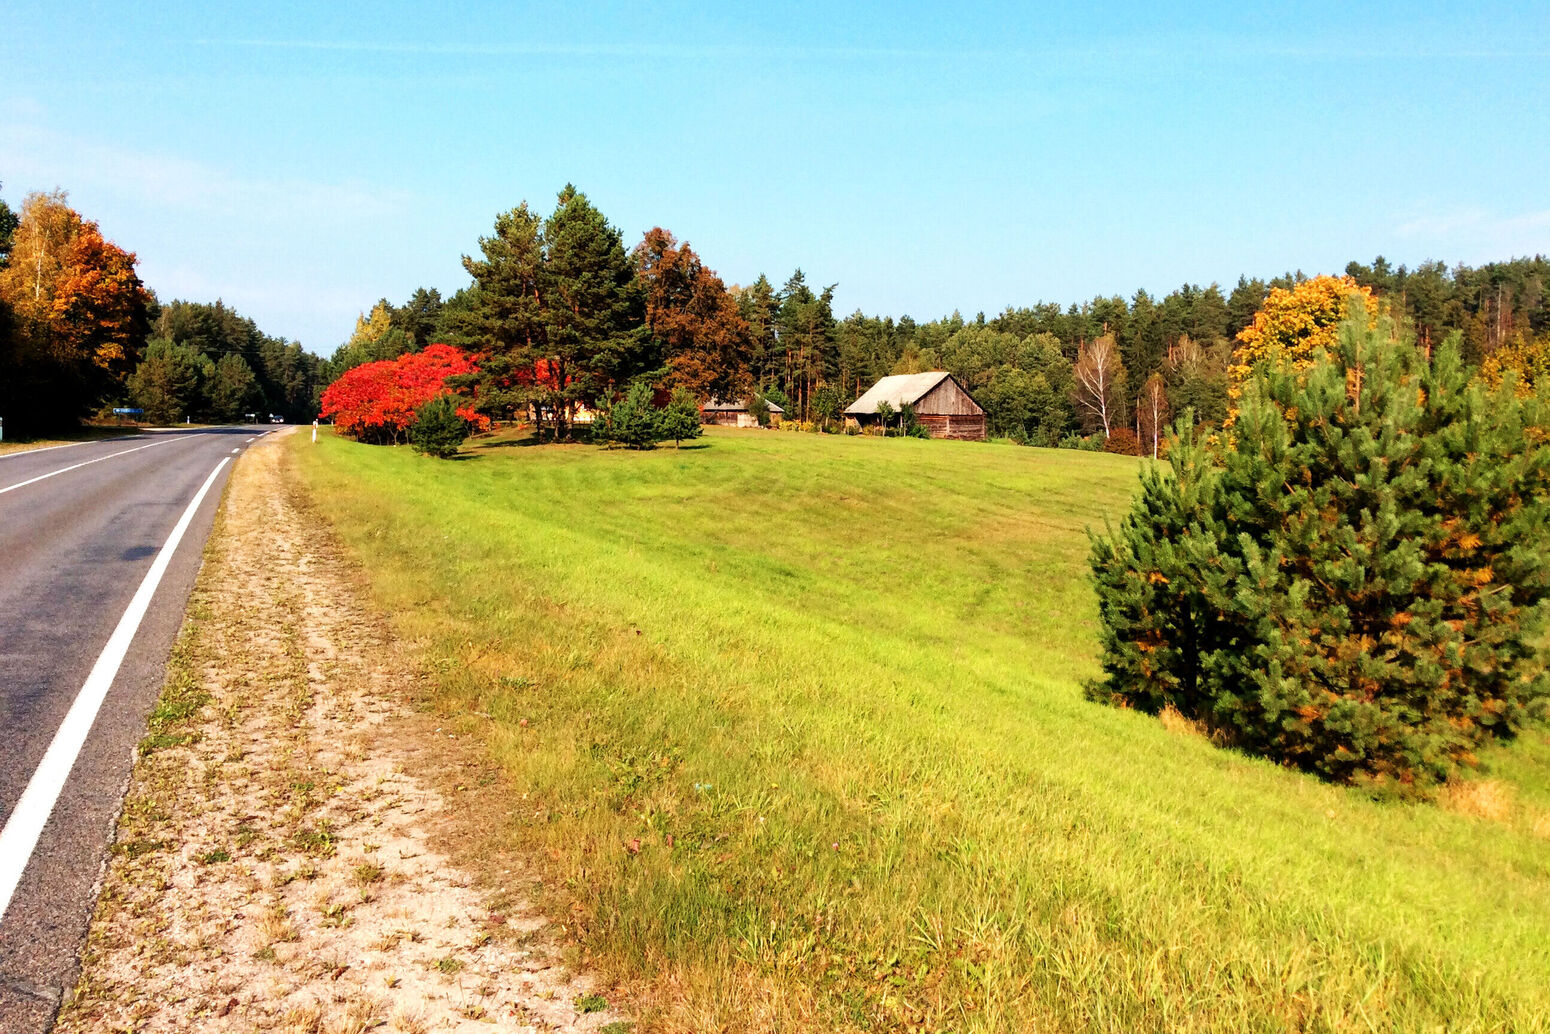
[(300, 256), (1476, 234), (624, 50), (38, 156), (1153, 47)]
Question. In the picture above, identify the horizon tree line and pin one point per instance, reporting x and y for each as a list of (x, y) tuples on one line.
[(564, 315)]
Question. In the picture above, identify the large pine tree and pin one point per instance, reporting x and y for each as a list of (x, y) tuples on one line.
[(1354, 580), (595, 316), (504, 321), (556, 313)]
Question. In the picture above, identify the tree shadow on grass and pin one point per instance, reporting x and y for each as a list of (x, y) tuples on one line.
[(528, 440)]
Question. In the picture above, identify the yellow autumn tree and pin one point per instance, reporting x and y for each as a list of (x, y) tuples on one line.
[(30, 280), (1292, 327), (373, 328), (1528, 360)]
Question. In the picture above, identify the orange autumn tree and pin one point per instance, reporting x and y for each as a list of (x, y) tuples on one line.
[(705, 341), (1293, 327), (99, 307), (79, 309)]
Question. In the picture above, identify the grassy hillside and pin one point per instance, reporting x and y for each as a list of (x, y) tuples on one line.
[(832, 689)]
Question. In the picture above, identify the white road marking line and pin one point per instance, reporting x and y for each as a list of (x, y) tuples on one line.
[(235, 451), (253, 439), (77, 466), (20, 836), (66, 445)]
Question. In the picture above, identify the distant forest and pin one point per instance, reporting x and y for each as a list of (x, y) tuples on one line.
[(1021, 364), (79, 333)]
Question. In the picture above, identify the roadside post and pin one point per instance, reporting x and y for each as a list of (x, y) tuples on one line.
[(314, 432)]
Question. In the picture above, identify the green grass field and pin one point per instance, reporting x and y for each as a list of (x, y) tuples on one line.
[(832, 686)]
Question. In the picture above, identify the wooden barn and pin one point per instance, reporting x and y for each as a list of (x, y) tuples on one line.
[(735, 414), (941, 404)]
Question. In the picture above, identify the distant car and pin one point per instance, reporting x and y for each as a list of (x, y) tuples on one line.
[(276, 419)]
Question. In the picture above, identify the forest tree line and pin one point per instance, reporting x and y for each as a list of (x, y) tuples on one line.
[(81, 335), (662, 314), (562, 313)]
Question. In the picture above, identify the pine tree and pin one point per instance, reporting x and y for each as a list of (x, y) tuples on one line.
[(504, 319), (759, 308), (680, 420), (595, 317), (1353, 581), (439, 429), (166, 384), (632, 421), (233, 390)]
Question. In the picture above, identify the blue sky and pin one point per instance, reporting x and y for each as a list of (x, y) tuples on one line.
[(303, 160)]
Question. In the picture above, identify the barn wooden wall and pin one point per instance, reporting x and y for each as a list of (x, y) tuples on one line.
[(948, 399), (967, 428)]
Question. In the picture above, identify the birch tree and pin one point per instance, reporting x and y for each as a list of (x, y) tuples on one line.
[(1152, 412), (1099, 383)]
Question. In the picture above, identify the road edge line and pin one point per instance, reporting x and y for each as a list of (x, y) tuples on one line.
[(77, 466), (19, 838)]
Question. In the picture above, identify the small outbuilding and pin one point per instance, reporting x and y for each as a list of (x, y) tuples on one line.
[(736, 414), (941, 404)]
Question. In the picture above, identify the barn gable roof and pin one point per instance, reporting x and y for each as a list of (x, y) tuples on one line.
[(898, 390), (741, 406)]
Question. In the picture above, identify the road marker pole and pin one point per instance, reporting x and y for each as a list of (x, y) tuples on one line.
[(20, 836)]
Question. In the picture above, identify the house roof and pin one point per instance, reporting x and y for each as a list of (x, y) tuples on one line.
[(897, 391), (718, 406)]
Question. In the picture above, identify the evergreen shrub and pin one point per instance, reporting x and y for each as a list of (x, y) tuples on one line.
[(1088, 443), (439, 429), (632, 421), (681, 420), (1351, 582)]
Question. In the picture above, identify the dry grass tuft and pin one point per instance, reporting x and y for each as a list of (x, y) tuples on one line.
[(358, 1016), (1177, 724), (302, 1019), (1541, 826), (275, 926), (410, 1019), (1488, 799)]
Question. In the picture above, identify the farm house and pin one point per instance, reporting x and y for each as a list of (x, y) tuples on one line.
[(735, 414), (941, 404)]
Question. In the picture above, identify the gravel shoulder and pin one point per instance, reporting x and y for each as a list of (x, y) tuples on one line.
[(284, 860)]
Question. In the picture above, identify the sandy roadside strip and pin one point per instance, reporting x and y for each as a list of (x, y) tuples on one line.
[(276, 865)]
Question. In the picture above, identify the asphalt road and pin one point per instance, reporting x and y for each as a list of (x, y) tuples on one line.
[(81, 530)]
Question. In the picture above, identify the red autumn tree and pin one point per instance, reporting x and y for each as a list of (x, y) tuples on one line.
[(705, 340), (376, 402)]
